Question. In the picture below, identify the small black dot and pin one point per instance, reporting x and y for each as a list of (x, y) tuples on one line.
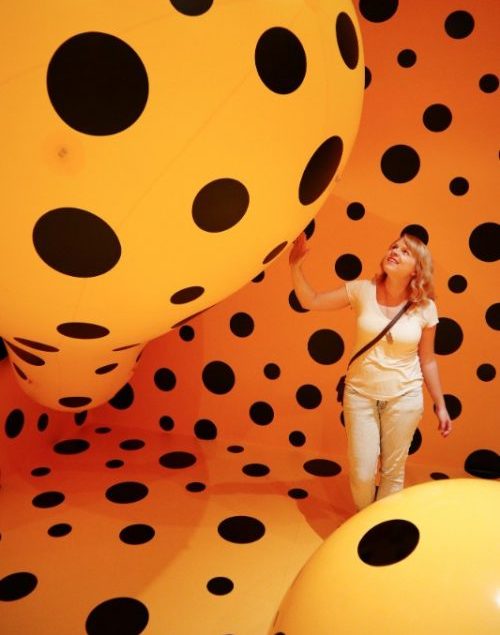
[(43, 422), (166, 423), (80, 417), (484, 242), (378, 10), (192, 7), (137, 534), (449, 336), (280, 60), (235, 449), (457, 284), (59, 530), (71, 446), (320, 170), (258, 278), (272, 371), (368, 77), (102, 430), (355, 211), (220, 586), (82, 330), (177, 460), (48, 499), (298, 493), (220, 205), (40, 471), (196, 486), (437, 117), (261, 413), (400, 163), (188, 294), (274, 253), (14, 423), (186, 333), (103, 370), (297, 438), (121, 615), (255, 469), (74, 402), (132, 444), (486, 372), (308, 396), (322, 467), (493, 316), (205, 429), (241, 324), (113, 464), (310, 229), (123, 399), (488, 83), (407, 58), (241, 529), (459, 186), (127, 492), (348, 267), (17, 585), (459, 24), (347, 40), (388, 542), (218, 377), (165, 379), (439, 476)]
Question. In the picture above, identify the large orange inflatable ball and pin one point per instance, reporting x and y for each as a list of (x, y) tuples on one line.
[(425, 560), (157, 156)]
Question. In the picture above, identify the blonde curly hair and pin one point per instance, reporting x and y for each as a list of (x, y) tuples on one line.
[(421, 286)]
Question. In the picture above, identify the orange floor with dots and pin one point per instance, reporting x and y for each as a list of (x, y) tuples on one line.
[(189, 503)]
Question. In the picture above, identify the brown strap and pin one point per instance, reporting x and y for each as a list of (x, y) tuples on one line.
[(381, 334)]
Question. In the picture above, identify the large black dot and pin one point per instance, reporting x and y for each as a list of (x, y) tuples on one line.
[(347, 40), (74, 402), (192, 7), (418, 231), (407, 58), (484, 242), (325, 346), (188, 294), (130, 445), (241, 529), (355, 210), (26, 356), (459, 186), (14, 423), (493, 316), (76, 242), (97, 83), (322, 467), (449, 336), (348, 267), (3, 349), (320, 170), (17, 585), (400, 163), (437, 117), (220, 585), (486, 372), (43, 422), (255, 469), (137, 534), (453, 405), (123, 399), (297, 438), (488, 83), (294, 303), (48, 499), (261, 413), (165, 379), (388, 542), (218, 377), (272, 371), (71, 446), (127, 492), (220, 205), (280, 60), (241, 324), (483, 463), (416, 442), (378, 10), (459, 24), (82, 330), (59, 530), (177, 460), (457, 283), (120, 616), (205, 429), (308, 396)]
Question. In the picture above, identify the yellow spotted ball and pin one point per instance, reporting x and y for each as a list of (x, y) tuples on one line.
[(157, 157), (425, 560)]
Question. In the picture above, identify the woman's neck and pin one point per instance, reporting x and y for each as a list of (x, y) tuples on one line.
[(394, 291)]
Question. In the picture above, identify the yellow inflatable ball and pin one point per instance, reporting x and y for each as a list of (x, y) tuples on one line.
[(157, 156), (425, 561)]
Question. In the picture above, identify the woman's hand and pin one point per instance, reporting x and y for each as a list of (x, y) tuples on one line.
[(299, 250), (444, 426)]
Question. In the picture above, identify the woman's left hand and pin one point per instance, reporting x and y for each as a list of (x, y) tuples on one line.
[(444, 426)]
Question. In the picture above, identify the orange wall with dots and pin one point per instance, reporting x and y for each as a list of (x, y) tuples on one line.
[(189, 503)]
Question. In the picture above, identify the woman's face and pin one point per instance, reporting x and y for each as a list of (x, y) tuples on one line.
[(399, 261)]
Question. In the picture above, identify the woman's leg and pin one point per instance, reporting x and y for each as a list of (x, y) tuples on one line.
[(363, 443), (399, 419)]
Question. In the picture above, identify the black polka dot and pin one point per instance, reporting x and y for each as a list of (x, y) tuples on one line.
[(400, 163), (205, 429), (192, 7), (123, 399), (453, 405), (241, 324), (297, 438), (320, 170), (280, 60), (76, 242), (40, 471), (166, 423), (378, 10), (165, 379), (261, 413), (43, 422), (486, 372), (48, 499), (416, 442), (449, 336), (102, 370), (137, 534), (325, 346), (493, 316), (14, 423), (388, 542), (195, 487), (97, 83), (293, 301), (122, 615), (3, 350), (347, 40), (272, 371), (368, 77), (82, 330), (16, 586), (103, 430), (189, 294), (71, 446), (218, 377), (418, 231), (80, 417), (310, 229), (484, 242), (258, 278), (488, 83), (114, 464), (348, 267), (355, 211), (241, 529), (483, 463), (322, 467), (308, 396), (39, 346), (132, 444), (274, 253), (459, 24), (407, 58), (235, 449), (186, 333), (220, 205), (60, 530), (220, 586), (459, 186), (26, 356), (74, 402), (255, 469), (21, 374), (457, 284), (127, 492), (124, 348), (177, 460), (439, 476), (437, 117), (297, 493)]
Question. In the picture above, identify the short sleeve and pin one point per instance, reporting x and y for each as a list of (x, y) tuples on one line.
[(353, 289), (430, 315)]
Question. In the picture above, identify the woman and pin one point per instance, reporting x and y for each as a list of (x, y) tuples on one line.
[(383, 399)]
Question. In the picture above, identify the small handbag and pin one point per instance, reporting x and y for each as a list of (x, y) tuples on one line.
[(341, 383)]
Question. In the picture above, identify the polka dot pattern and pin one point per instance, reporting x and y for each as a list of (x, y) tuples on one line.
[(280, 60)]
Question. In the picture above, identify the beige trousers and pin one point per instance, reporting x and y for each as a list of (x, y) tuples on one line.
[(379, 430)]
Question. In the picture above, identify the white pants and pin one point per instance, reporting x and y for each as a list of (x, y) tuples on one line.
[(379, 429)]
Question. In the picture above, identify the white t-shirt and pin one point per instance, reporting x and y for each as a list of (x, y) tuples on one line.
[(392, 366)]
